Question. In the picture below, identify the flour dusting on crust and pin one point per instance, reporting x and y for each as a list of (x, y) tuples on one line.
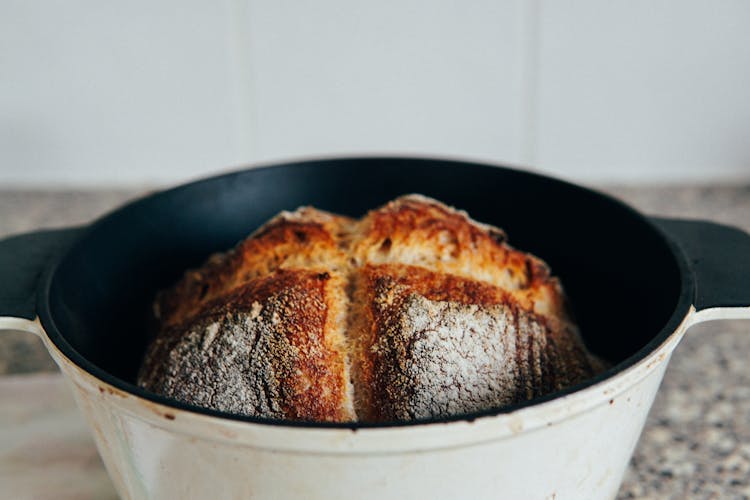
[(414, 311)]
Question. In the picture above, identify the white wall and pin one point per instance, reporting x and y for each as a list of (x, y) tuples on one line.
[(139, 92)]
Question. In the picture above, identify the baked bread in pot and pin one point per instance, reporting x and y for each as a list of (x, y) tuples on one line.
[(414, 311)]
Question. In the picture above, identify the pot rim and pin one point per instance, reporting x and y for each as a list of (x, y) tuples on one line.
[(367, 440), (680, 314)]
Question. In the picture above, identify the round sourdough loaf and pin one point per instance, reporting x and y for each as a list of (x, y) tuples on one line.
[(414, 311)]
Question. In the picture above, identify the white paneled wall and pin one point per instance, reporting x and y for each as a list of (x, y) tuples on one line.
[(418, 76), (138, 92), (111, 92), (644, 89)]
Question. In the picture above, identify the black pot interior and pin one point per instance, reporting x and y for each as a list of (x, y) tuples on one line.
[(620, 273)]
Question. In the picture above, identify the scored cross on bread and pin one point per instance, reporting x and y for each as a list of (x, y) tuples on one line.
[(414, 311)]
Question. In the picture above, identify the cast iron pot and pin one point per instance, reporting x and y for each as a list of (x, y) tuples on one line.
[(636, 284)]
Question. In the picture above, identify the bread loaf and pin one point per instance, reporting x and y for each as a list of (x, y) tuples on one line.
[(414, 311)]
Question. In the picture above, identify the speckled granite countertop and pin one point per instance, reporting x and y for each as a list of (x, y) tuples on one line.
[(696, 443)]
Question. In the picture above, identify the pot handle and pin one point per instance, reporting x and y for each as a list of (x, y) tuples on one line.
[(720, 259), (23, 259)]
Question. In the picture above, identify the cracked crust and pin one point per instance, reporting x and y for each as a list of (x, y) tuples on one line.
[(304, 239), (440, 345), (414, 311), (264, 349)]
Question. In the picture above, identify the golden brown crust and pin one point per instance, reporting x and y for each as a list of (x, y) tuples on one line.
[(417, 319), (417, 230), (426, 312), (420, 231), (303, 239), (260, 350)]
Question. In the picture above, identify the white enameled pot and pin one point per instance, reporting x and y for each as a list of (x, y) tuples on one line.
[(153, 451), (571, 445)]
